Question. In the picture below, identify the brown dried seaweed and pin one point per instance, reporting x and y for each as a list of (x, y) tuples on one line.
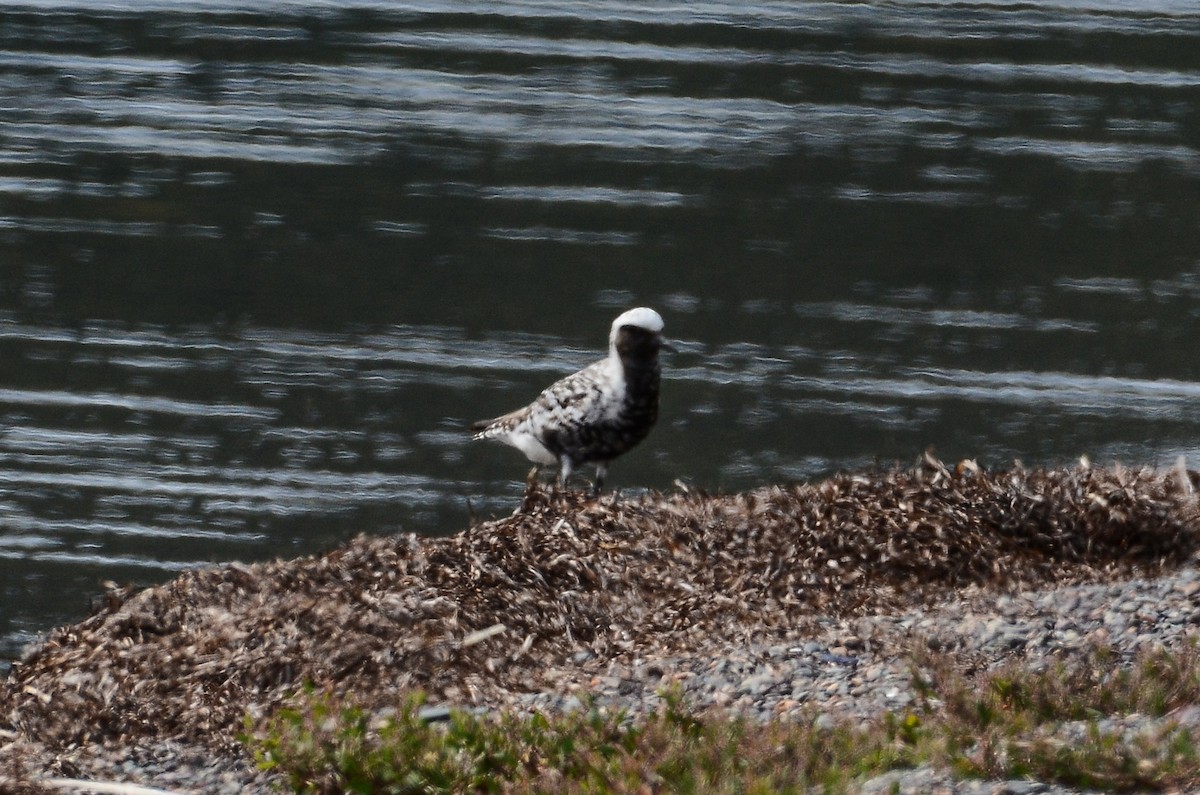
[(486, 612)]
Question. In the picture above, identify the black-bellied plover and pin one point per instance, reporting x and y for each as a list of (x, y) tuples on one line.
[(596, 414)]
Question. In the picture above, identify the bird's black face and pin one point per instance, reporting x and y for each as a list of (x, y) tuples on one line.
[(636, 343)]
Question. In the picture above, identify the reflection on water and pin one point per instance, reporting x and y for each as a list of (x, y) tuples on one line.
[(263, 262)]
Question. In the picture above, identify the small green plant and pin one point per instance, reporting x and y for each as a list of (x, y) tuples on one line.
[(1010, 723), (325, 745)]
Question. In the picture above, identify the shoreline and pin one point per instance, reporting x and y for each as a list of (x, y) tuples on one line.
[(733, 599)]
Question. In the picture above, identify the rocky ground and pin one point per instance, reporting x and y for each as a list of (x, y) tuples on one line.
[(778, 602)]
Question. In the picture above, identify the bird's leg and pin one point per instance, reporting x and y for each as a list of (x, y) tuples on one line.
[(565, 467), (601, 472)]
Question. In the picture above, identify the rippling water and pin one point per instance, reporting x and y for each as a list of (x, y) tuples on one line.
[(261, 263)]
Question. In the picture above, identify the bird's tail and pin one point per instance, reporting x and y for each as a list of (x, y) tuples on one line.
[(487, 429), (480, 429)]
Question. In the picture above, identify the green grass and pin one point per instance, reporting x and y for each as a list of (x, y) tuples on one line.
[(1006, 724), (1002, 725)]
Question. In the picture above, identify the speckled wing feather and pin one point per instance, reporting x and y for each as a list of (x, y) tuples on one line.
[(565, 404)]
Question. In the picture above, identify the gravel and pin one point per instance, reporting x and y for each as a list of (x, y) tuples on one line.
[(782, 603)]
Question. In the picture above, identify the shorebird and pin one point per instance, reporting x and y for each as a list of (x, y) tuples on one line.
[(596, 414)]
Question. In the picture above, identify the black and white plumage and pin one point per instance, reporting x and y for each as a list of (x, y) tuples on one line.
[(596, 414)]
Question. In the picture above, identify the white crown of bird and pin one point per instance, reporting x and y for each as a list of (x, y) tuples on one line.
[(642, 317)]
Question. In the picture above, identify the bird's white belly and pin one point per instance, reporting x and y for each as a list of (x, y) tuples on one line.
[(534, 450)]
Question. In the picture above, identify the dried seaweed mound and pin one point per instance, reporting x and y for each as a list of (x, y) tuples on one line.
[(487, 612)]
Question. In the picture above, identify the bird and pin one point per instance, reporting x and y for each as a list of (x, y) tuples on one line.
[(596, 414)]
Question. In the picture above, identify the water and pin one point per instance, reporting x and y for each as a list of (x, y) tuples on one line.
[(261, 263)]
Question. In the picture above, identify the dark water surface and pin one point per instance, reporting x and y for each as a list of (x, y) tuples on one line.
[(261, 262)]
